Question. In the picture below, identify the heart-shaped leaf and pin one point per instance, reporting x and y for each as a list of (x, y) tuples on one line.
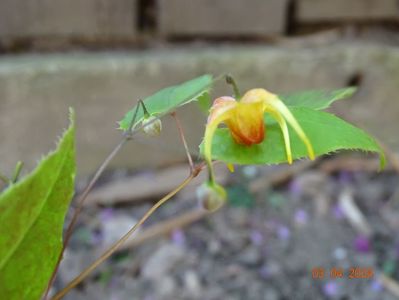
[(327, 133)]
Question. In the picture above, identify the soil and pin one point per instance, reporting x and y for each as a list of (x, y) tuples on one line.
[(296, 240)]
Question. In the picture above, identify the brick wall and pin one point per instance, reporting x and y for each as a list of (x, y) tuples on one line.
[(131, 19), (41, 18), (346, 10), (222, 17)]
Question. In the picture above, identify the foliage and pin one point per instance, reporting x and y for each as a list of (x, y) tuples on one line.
[(316, 99), (204, 102), (327, 133), (32, 213), (168, 99)]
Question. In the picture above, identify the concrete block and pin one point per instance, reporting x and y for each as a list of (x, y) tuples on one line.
[(222, 17), (338, 10), (59, 18)]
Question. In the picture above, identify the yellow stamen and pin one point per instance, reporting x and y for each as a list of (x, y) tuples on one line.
[(230, 167)]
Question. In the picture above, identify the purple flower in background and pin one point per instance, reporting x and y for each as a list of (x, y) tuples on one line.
[(330, 289), (264, 272), (283, 233), (106, 214), (256, 237), (376, 286), (178, 237), (345, 177), (269, 270), (301, 217), (295, 188), (362, 244), (337, 211)]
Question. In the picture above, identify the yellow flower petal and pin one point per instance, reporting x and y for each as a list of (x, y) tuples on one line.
[(221, 110), (275, 106), (284, 128)]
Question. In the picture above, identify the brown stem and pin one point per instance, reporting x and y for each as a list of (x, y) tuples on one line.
[(115, 246), (89, 187), (183, 139), (165, 227)]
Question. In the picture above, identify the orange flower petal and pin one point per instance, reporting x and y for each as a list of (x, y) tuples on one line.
[(246, 123)]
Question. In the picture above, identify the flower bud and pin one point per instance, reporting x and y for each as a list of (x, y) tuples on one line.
[(154, 126), (211, 196)]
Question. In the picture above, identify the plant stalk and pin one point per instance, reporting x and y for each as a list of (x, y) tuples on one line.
[(230, 80), (115, 246), (79, 208), (128, 135), (183, 139)]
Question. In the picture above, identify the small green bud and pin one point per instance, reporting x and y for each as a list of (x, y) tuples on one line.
[(211, 196), (154, 126)]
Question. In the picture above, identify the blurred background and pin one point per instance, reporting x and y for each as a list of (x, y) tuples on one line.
[(100, 56)]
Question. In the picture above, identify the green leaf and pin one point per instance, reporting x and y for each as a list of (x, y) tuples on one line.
[(32, 213), (317, 99), (326, 132), (205, 102), (168, 99)]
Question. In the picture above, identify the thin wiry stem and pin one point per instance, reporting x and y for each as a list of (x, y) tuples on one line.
[(126, 137), (230, 80), (115, 246), (79, 207), (183, 139)]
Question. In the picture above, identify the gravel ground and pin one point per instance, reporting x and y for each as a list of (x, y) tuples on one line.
[(260, 246)]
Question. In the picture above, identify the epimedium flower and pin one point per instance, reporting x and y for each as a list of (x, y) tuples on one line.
[(245, 119)]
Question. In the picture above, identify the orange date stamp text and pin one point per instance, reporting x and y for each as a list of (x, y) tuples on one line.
[(336, 273)]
